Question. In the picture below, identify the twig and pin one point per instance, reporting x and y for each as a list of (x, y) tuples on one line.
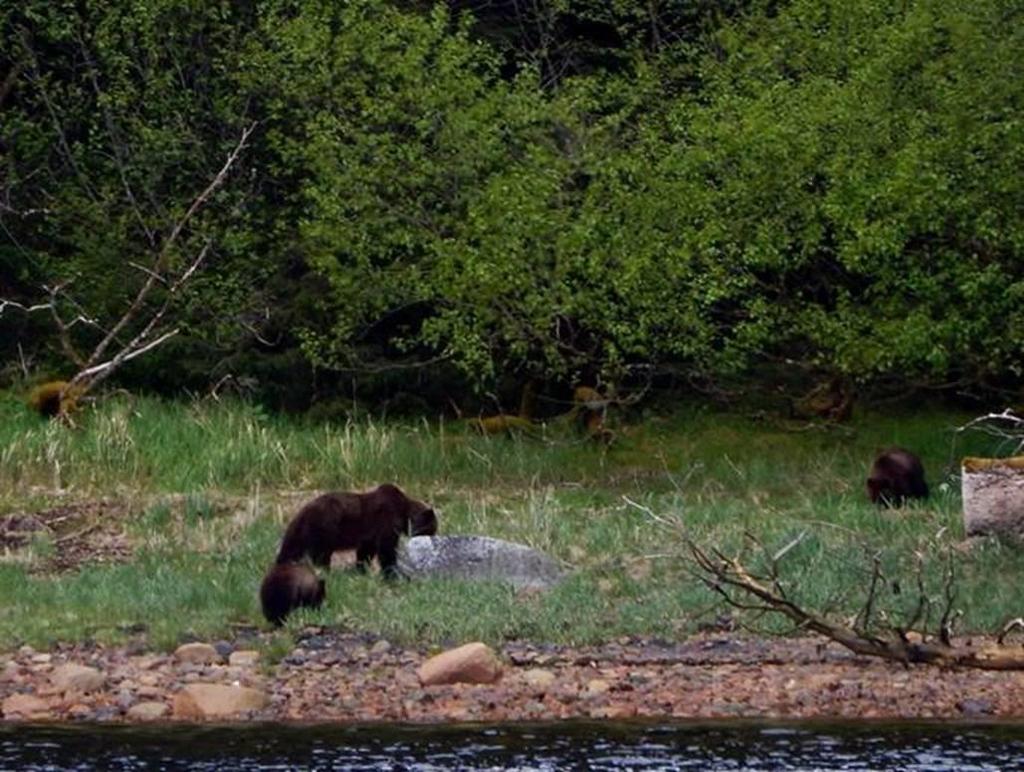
[(1014, 624), (651, 514)]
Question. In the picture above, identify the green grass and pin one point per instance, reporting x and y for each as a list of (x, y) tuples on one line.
[(209, 486)]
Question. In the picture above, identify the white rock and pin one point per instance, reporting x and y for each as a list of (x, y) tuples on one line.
[(478, 558), (993, 495)]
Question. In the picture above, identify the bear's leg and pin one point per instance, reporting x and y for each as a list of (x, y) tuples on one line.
[(387, 553), (321, 558), (364, 555)]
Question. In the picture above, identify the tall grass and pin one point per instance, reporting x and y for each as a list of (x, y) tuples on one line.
[(199, 556)]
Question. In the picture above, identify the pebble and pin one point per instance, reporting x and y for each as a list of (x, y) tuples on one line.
[(147, 711), (24, 705), (79, 711), (77, 678), (597, 686), (197, 654), (539, 677), (244, 658), (972, 707)]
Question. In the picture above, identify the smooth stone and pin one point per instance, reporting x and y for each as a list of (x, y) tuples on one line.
[(197, 654), (77, 678), (539, 677), (217, 700), (244, 658), (597, 686), (147, 711), (25, 705), (474, 663)]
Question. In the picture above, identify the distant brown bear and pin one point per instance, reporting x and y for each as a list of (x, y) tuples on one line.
[(288, 586), (896, 475), (370, 523)]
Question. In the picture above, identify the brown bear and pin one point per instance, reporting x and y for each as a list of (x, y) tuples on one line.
[(370, 523), (896, 476), (288, 586)]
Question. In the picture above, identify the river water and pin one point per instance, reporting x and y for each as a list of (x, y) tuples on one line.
[(577, 745)]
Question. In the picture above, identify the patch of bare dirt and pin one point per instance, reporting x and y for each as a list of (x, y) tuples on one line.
[(75, 533)]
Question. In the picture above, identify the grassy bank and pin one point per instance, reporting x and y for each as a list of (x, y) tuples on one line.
[(196, 494)]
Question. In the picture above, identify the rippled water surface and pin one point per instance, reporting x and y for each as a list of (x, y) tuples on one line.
[(597, 746)]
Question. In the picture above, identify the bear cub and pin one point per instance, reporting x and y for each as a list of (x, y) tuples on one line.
[(289, 586), (370, 523), (896, 475)]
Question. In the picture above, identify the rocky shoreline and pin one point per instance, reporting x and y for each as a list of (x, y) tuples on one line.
[(343, 677)]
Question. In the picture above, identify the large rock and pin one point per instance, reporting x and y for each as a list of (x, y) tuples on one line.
[(77, 678), (474, 663), (993, 496), (217, 701), (479, 558)]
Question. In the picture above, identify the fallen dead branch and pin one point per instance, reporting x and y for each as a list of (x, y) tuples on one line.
[(871, 632), (741, 589)]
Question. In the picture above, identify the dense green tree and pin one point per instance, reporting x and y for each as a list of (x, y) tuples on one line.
[(860, 164), (555, 190), (116, 116)]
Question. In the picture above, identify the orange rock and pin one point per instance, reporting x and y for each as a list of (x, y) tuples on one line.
[(217, 700), (474, 663), (24, 706)]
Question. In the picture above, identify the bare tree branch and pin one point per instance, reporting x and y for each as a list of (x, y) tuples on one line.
[(159, 263), (730, 579), (94, 368), (1006, 425), (726, 574), (100, 371)]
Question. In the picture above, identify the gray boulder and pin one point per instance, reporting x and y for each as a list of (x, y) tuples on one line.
[(480, 558)]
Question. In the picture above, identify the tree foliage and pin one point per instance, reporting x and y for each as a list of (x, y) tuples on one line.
[(557, 190)]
